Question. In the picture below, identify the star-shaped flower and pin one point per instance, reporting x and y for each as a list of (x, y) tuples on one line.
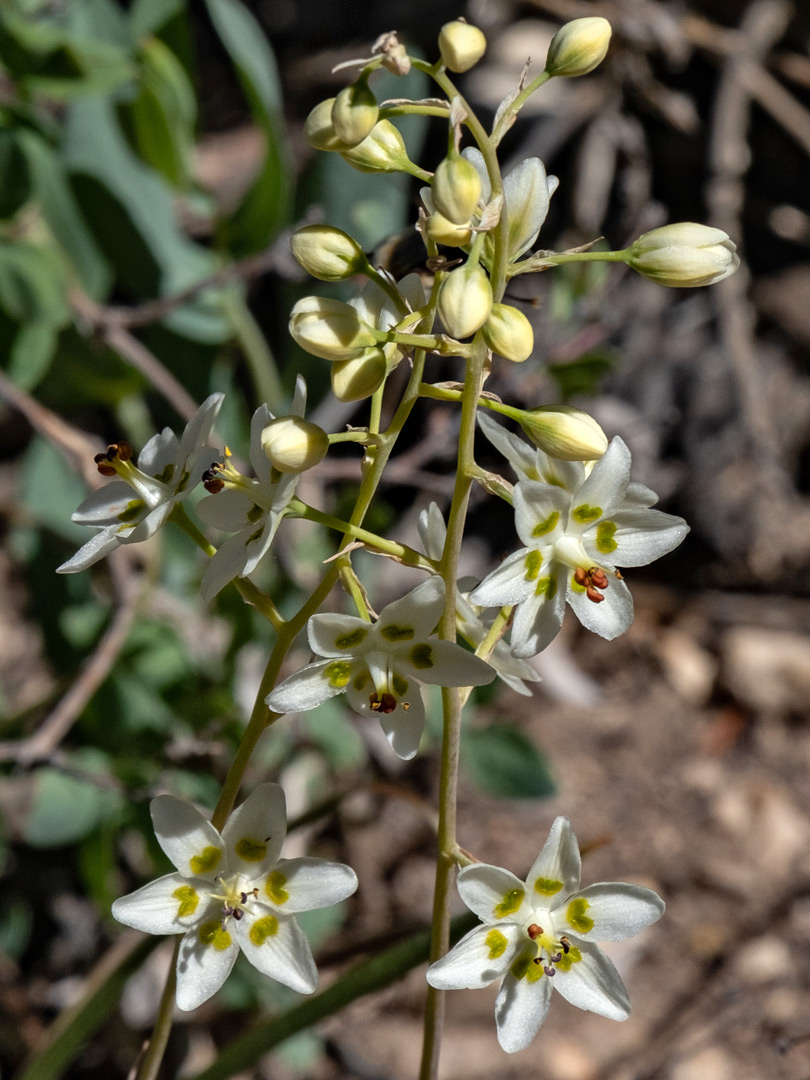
[(168, 470), (379, 665), (575, 541), (232, 892), (540, 934), (250, 507)]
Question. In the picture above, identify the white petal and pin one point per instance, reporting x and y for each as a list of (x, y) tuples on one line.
[(540, 512), (520, 1009), (255, 831), (640, 537), (639, 497), (403, 726), (538, 620), (333, 635), (526, 193), (228, 563), (198, 429), (168, 905), (521, 456), (442, 663), (593, 983), (604, 489), (299, 401), (104, 506), (508, 584), (311, 883), (258, 541), (556, 870), (190, 840), (258, 459), (482, 956), (277, 946), (227, 511), (432, 531), (96, 548), (618, 910), (411, 289), (495, 895), (311, 686), (611, 617), (162, 451), (204, 963), (419, 610)]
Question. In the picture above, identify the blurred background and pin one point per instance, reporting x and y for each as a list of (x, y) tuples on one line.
[(152, 167)]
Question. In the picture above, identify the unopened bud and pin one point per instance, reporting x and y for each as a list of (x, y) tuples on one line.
[(456, 189), (319, 130), (354, 113), (327, 253), (509, 333), (684, 255), (579, 46), (383, 150), (329, 328), (294, 445), (465, 300), (359, 378), (442, 231), (563, 432), (461, 45)]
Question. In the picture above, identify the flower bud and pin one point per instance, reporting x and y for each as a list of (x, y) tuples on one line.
[(579, 46), (509, 333), (294, 445), (456, 189), (360, 377), (383, 150), (354, 113), (684, 255), (442, 231), (461, 45), (563, 432), (327, 253), (319, 130), (329, 328), (465, 300)]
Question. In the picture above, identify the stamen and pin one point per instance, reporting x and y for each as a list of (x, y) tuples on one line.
[(386, 704), (237, 913), (594, 595), (211, 482), (534, 931), (598, 577), (580, 576), (549, 970), (566, 945)]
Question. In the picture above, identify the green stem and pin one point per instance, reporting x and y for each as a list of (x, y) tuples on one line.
[(402, 552), (503, 124), (547, 261), (150, 1065)]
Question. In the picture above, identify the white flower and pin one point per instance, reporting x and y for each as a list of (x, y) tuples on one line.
[(432, 532), (540, 934), (379, 665), (575, 541), (252, 505), (232, 892), (168, 470)]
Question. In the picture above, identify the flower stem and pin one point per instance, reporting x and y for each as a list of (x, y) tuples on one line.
[(399, 551)]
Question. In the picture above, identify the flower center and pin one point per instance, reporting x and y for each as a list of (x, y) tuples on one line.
[(234, 898), (592, 580), (552, 952)]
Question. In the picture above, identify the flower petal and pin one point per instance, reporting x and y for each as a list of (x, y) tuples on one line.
[(228, 563), (557, 869), (204, 962), (313, 685), (508, 584), (538, 620), (520, 1008), (593, 983), (618, 910), (255, 831), (332, 634), (432, 531), (611, 617), (105, 505), (312, 883), (190, 840), (540, 513), (605, 487), (198, 429), (419, 610), (403, 726), (258, 459), (495, 895), (640, 537), (168, 905), (96, 548), (226, 511), (482, 956), (442, 663), (527, 194), (276, 945)]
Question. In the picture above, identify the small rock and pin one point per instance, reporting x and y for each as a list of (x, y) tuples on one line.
[(768, 670)]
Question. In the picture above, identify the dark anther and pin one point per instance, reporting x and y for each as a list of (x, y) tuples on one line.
[(227, 910), (211, 481), (555, 958), (104, 468), (386, 704), (580, 576), (405, 706), (549, 970), (566, 945), (598, 577), (534, 931), (594, 595), (537, 960), (237, 913)]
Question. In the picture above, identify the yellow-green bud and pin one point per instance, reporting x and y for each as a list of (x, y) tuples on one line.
[(563, 432), (509, 333), (294, 445), (319, 130), (381, 151), (461, 45), (442, 231), (353, 380), (579, 46), (684, 255), (465, 300), (354, 113), (329, 328), (327, 253), (456, 189)]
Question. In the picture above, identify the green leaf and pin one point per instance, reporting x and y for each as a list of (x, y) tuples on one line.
[(63, 216), (66, 808), (50, 491), (15, 178), (584, 375), (332, 731), (148, 16), (502, 761), (32, 285), (264, 208), (31, 354)]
